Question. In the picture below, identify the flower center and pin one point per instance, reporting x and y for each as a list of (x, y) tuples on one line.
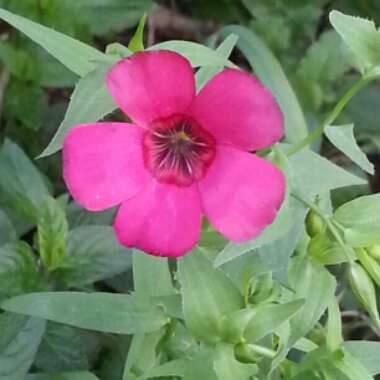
[(177, 150)]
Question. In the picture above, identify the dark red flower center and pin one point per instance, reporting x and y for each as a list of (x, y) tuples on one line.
[(177, 150)]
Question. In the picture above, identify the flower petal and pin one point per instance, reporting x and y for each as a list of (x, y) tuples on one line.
[(238, 110), (103, 164), (162, 220), (241, 193), (152, 85)]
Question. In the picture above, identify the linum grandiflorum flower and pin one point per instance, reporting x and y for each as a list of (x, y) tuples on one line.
[(184, 156)]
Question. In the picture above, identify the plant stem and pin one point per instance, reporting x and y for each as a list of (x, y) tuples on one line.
[(330, 117), (261, 350), (328, 222)]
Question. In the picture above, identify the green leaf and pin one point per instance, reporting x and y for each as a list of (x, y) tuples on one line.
[(81, 375), (200, 367), (343, 138), (269, 71), (93, 254), (106, 312), (227, 367), (361, 220), (173, 368), (208, 295), (367, 353), (75, 55), (61, 350), (334, 336), (307, 278), (89, 102), (361, 36), (52, 233), (19, 340), (151, 275), (198, 55), (137, 41), (7, 231), (205, 73), (22, 187), (110, 15), (18, 270), (361, 211), (268, 317), (314, 174)]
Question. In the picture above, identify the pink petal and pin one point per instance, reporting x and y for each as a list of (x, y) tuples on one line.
[(238, 110), (162, 220), (152, 85), (103, 164), (241, 193)]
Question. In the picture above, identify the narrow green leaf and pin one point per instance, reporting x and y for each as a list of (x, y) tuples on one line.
[(307, 278), (204, 74), (334, 336), (198, 55), (137, 41), (52, 233), (75, 55), (269, 71), (19, 340), (208, 295), (151, 275), (22, 187), (361, 36), (93, 254), (343, 138), (269, 317), (89, 102), (106, 312)]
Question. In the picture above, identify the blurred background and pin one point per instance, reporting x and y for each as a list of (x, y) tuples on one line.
[(35, 90)]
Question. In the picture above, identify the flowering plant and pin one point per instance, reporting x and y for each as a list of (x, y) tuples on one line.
[(215, 168)]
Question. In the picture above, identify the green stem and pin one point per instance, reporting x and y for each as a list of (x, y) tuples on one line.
[(331, 116), (250, 351), (329, 224)]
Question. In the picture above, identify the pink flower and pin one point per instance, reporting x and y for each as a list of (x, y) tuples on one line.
[(185, 155)]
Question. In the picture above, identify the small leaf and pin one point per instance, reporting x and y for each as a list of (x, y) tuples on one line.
[(18, 270), (93, 254), (137, 41), (198, 55), (208, 295), (314, 174), (361, 36), (343, 138), (334, 336), (22, 186), (269, 317), (307, 278), (106, 312), (19, 340), (61, 349), (75, 55), (52, 233), (151, 275), (204, 74), (227, 367), (367, 353), (89, 103)]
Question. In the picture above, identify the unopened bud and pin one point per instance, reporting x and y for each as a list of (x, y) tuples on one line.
[(314, 224), (374, 251), (370, 264)]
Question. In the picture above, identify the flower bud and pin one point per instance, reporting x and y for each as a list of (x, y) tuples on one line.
[(374, 251), (314, 223), (364, 290), (370, 264)]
